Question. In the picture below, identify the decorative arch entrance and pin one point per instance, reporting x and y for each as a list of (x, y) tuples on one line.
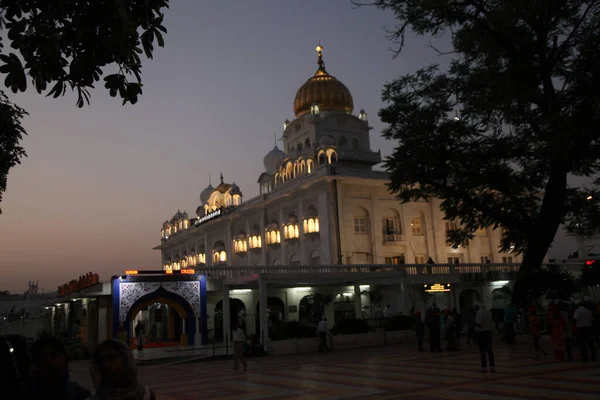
[(171, 308), (167, 318), (276, 313)]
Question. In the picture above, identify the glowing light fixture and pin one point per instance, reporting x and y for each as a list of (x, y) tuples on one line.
[(241, 290)]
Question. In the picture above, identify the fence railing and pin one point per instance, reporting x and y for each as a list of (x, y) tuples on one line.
[(230, 272)]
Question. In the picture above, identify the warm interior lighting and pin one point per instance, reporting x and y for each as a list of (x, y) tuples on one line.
[(255, 241), (131, 272), (365, 287), (169, 271), (240, 246), (311, 225), (241, 290), (273, 236), (291, 231), (303, 289)]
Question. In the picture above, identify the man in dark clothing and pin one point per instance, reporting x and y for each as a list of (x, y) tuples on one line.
[(419, 330), (433, 322)]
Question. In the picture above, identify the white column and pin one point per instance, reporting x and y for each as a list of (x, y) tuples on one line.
[(357, 302), (229, 243), (207, 251), (263, 317), (226, 316), (247, 235), (263, 226), (404, 297), (303, 255), (282, 221), (376, 239), (325, 228), (198, 335)]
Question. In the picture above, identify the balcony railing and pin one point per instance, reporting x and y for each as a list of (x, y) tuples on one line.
[(231, 272), (392, 237)]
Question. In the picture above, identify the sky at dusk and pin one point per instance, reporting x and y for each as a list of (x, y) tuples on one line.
[(99, 181)]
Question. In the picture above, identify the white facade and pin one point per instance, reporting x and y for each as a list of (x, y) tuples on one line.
[(321, 203)]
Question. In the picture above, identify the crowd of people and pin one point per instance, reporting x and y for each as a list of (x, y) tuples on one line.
[(41, 371), (568, 325)]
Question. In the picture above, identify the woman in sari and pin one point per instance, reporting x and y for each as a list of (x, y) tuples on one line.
[(558, 331)]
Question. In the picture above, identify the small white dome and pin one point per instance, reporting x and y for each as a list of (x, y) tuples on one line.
[(205, 194), (234, 189), (273, 159)]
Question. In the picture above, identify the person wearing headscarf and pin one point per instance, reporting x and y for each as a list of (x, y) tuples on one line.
[(51, 371), (15, 382), (115, 375)]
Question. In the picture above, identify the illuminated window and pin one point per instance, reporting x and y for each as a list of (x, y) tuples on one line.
[(419, 259), (240, 246), (291, 231), (201, 259), (255, 241), (311, 225), (310, 166), (360, 225), (219, 257), (395, 260), (272, 234), (415, 225)]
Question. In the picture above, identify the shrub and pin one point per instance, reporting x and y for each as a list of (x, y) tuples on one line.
[(293, 330), (399, 323), (350, 326)]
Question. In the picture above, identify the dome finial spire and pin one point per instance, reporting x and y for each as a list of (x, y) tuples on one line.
[(209, 180), (319, 50)]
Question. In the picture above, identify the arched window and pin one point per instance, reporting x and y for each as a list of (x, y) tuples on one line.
[(294, 259), (331, 156), (355, 144), (310, 165), (307, 143), (219, 253), (322, 157), (272, 234)]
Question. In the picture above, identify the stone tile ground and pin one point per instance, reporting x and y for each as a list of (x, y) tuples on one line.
[(381, 373)]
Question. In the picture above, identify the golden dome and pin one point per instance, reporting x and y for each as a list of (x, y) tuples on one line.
[(324, 90)]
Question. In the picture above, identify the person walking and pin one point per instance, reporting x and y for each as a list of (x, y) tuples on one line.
[(583, 330), (535, 330), (322, 332), (484, 324), (140, 333), (510, 319), (115, 375), (458, 326), (239, 339), (419, 330)]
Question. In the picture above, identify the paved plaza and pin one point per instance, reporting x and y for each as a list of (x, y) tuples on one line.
[(387, 372)]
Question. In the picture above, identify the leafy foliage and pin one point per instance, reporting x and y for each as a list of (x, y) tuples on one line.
[(11, 134), (523, 86), (67, 44)]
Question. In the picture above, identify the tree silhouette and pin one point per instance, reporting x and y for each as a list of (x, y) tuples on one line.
[(65, 44), (497, 135)]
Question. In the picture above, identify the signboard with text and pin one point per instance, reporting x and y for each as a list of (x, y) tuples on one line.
[(437, 288), (76, 285)]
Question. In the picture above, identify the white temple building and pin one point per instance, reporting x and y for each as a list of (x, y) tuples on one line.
[(321, 203)]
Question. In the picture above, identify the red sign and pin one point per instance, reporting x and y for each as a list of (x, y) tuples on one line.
[(76, 285)]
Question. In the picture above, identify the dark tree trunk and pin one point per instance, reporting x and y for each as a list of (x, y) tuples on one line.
[(545, 227)]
